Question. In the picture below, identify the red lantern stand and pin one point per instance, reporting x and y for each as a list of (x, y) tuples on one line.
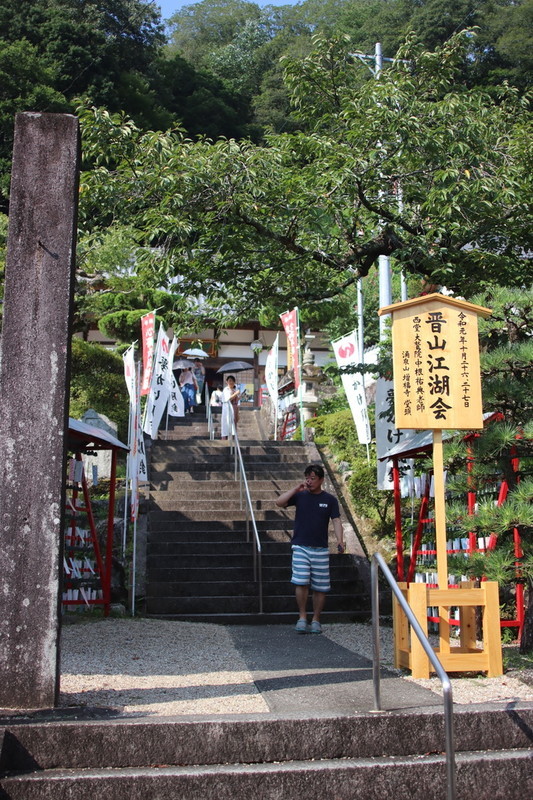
[(82, 439)]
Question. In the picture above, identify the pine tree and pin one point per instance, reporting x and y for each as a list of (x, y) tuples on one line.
[(503, 452)]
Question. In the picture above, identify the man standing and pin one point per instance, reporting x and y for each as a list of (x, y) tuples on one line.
[(310, 554)]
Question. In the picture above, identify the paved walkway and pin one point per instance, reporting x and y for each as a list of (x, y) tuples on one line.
[(307, 674)]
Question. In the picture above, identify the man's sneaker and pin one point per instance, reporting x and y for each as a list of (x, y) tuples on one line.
[(316, 627), (301, 626)]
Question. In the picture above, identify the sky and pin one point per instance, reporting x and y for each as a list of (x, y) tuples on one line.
[(169, 7)]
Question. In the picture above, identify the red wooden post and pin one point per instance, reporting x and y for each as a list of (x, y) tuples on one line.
[(398, 518)]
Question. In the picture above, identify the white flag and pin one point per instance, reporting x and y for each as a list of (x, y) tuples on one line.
[(129, 372), (271, 380), (387, 435), (158, 396), (271, 371), (176, 406), (346, 353)]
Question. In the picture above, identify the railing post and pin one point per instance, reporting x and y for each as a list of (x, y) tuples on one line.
[(416, 629), (375, 636), (256, 554)]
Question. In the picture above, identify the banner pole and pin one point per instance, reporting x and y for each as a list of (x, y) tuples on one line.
[(300, 388)]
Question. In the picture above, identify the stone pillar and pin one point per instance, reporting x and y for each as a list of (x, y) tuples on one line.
[(311, 377), (34, 382)]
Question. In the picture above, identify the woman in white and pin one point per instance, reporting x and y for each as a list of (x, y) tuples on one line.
[(230, 397)]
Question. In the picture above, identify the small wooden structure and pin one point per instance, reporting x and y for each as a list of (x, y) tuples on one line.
[(437, 386), (83, 438)]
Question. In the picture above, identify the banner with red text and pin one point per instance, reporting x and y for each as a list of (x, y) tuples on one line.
[(290, 325), (148, 336)]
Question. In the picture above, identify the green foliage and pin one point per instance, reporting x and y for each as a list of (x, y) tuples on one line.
[(337, 432), (298, 220), (368, 500), (497, 565), (201, 29), (97, 381), (337, 402)]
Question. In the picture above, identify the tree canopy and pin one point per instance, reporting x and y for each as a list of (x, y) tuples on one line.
[(413, 166)]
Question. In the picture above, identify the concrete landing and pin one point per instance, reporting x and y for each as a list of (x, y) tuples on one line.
[(308, 674)]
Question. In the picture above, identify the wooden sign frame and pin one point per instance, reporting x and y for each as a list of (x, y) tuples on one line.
[(435, 348), (437, 385)]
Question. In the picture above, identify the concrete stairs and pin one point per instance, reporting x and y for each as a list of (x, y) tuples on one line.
[(199, 562), (362, 757)]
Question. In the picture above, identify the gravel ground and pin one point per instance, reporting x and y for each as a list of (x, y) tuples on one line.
[(465, 690), (146, 666)]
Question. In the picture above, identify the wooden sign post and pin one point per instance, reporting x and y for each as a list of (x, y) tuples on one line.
[(437, 385)]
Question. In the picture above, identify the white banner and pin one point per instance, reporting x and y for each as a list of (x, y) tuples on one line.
[(271, 371), (159, 390), (272, 379), (387, 435), (176, 406), (346, 354), (129, 372)]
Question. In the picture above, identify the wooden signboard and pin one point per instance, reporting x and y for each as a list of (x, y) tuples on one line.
[(437, 384), (436, 363)]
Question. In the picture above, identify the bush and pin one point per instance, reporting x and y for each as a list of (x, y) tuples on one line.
[(97, 381), (337, 432)]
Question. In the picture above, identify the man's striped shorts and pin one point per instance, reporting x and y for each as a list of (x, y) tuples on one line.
[(310, 566)]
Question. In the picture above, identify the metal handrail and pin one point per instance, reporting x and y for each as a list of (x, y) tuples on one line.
[(239, 465), (378, 561)]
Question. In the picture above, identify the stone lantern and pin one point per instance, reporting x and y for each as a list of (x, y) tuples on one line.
[(311, 377)]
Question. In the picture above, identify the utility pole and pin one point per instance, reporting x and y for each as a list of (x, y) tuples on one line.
[(384, 267)]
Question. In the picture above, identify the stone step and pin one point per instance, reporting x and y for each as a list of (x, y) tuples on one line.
[(211, 509), (272, 618), (198, 488), (195, 517), (344, 779), (185, 455), (225, 461), (198, 574), (223, 558), (209, 536), (358, 757), (233, 492), (232, 604), (237, 588), (168, 548), (202, 473), (168, 449)]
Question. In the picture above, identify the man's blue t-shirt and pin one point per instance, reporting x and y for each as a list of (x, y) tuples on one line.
[(313, 513)]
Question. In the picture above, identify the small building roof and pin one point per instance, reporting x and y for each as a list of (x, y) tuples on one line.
[(89, 436), (435, 297), (421, 442)]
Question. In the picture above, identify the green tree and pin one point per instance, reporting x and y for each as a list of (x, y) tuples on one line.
[(200, 29), (256, 229), (52, 51), (97, 381)]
